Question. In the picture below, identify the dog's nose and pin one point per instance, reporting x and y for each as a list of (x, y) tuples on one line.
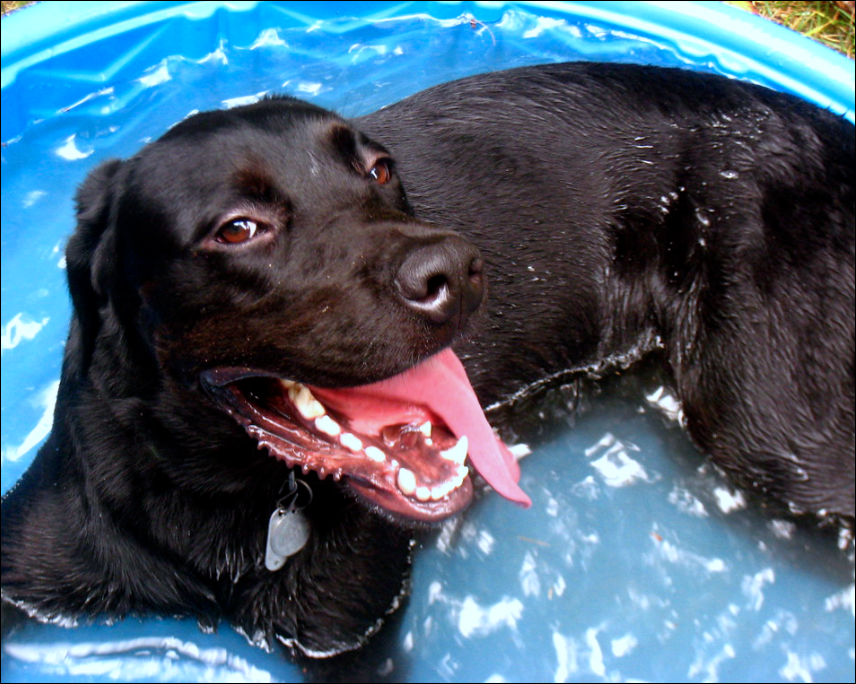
[(442, 280)]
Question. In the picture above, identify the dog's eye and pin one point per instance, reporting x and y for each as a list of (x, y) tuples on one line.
[(381, 172), (237, 231)]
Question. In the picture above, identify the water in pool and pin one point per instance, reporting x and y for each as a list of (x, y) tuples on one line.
[(637, 560)]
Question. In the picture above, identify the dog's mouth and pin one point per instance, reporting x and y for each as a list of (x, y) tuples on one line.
[(403, 443)]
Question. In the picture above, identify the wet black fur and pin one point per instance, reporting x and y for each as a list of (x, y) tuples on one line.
[(620, 210)]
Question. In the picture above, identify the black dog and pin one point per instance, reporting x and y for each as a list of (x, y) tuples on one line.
[(241, 286)]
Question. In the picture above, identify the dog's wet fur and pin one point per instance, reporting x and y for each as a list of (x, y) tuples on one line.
[(619, 210)]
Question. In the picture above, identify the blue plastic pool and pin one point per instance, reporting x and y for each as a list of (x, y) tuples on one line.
[(637, 560)]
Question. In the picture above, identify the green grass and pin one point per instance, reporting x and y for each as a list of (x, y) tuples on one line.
[(830, 23), (9, 6)]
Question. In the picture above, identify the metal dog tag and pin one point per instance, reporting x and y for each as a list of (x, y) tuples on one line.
[(288, 528), (288, 532)]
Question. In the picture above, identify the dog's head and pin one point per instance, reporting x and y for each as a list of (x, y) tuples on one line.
[(266, 258)]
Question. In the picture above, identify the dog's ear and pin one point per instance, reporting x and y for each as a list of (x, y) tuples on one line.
[(89, 257)]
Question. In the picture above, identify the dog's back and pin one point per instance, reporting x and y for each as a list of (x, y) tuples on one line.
[(657, 208)]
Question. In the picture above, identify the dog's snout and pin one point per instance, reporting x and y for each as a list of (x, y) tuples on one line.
[(443, 280)]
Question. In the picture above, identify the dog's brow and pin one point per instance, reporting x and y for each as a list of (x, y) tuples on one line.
[(342, 139), (253, 182), (359, 151)]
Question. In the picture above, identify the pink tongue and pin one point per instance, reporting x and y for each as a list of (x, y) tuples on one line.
[(440, 383)]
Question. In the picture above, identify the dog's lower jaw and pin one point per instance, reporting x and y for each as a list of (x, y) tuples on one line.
[(325, 600)]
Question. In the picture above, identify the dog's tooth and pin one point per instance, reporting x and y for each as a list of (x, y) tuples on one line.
[(460, 476), (441, 491), (350, 441), (307, 404), (458, 453), (375, 454), (426, 428), (287, 384), (423, 493), (328, 426), (406, 481)]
